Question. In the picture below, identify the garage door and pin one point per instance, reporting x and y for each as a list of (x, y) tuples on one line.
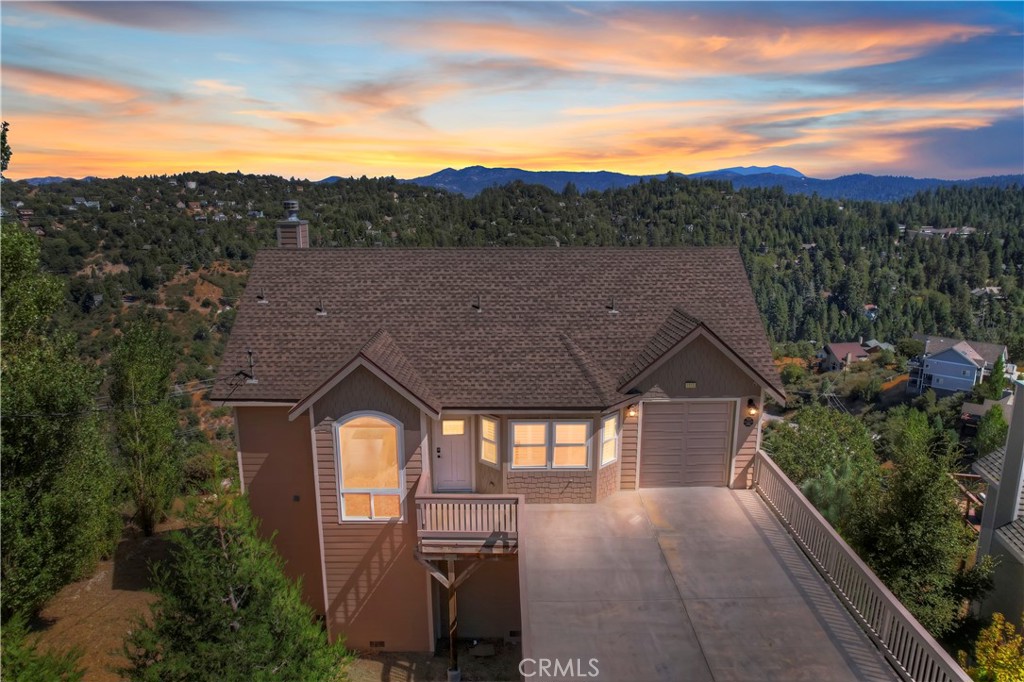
[(685, 443)]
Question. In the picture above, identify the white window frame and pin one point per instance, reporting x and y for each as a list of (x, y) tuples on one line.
[(614, 437), (549, 445), (340, 484), (497, 452)]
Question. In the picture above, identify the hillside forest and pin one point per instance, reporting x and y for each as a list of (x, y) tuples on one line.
[(128, 287), (183, 243)]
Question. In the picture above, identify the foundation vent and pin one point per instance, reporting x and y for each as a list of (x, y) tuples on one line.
[(376, 643)]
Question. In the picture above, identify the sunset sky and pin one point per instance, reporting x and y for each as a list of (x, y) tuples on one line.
[(325, 88)]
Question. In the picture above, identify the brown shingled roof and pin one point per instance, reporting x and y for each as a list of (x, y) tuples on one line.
[(543, 337)]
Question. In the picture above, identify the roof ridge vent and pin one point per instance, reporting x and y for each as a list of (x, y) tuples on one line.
[(321, 311)]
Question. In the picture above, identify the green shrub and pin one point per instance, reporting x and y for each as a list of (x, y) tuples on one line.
[(21, 660), (227, 611)]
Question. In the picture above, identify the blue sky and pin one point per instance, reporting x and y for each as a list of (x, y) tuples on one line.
[(405, 89)]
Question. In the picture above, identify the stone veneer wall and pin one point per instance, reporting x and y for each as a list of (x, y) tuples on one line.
[(574, 486), (608, 480)]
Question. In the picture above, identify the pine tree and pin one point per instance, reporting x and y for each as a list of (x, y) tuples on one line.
[(992, 430), (227, 611), (144, 420), (58, 488)]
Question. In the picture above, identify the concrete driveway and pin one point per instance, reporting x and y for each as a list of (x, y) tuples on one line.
[(682, 584)]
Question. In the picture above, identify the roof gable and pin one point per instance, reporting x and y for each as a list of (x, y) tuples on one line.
[(676, 327), (676, 333), (841, 350), (959, 354), (381, 355), (933, 345)]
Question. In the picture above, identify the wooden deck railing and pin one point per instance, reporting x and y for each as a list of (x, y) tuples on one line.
[(913, 653), (466, 520)]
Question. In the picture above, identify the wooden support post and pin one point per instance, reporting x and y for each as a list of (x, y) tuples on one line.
[(453, 619)]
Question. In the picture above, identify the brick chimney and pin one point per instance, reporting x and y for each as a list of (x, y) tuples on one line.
[(292, 233)]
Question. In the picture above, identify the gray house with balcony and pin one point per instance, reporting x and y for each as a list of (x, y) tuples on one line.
[(953, 365)]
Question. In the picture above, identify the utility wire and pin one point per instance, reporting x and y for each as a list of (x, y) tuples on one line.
[(110, 407)]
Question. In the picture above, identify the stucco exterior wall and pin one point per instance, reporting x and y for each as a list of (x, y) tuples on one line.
[(488, 601), (376, 591), (277, 474)]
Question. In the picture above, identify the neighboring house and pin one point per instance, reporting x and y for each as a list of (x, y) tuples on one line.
[(838, 356), (953, 365), (382, 395), (872, 346), (1002, 520), (971, 413)]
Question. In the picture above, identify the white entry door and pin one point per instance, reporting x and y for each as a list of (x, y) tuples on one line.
[(453, 457)]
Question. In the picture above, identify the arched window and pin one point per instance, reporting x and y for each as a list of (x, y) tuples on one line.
[(370, 476)]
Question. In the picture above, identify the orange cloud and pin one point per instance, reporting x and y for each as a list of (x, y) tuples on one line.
[(218, 87), (660, 46), (63, 86), (306, 119)]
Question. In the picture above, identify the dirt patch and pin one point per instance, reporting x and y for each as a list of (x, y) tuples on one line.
[(102, 269), (403, 667), (896, 382), (96, 613)]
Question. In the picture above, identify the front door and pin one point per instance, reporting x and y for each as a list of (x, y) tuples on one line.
[(453, 458)]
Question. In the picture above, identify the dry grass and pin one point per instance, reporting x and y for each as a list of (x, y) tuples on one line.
[(96, 613)]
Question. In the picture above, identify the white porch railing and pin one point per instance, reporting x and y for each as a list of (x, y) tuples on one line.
[(913, 653), (467, 520)]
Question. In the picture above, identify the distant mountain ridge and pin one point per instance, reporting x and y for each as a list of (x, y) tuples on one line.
[(54, 179), (751, 170), (474, 179)]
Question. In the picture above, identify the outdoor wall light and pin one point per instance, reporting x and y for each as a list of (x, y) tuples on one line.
[(631, 410), (751, 407)]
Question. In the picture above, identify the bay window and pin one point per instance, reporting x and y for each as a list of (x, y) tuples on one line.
[(489, 440), (554, 444), (609, 439)]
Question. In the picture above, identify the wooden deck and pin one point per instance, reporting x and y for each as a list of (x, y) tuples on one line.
[(465, 523)]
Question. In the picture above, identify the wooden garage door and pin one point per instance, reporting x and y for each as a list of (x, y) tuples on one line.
[(685, 443)]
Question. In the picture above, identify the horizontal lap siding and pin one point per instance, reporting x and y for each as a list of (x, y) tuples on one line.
[(743, 470), (376, 590), (629, 450)]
